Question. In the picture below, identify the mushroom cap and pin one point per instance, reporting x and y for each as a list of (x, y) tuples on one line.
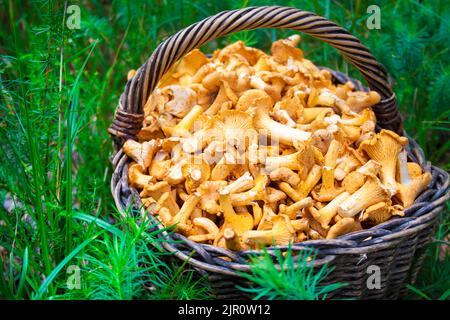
[(155, 190), (180, 100), (253, 98), (159, 168), (185, 68), (358, 100), (250, 54), (379, 213), (142, 153), (414, 169), (353, 181), (284, 49), (209, 191), (234, 127), (196, 170)]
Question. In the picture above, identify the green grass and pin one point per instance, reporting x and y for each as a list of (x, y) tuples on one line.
[(58, 92), (293, 279)]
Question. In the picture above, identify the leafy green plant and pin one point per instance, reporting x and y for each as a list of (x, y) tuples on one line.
[(120, 264), (288, 277)]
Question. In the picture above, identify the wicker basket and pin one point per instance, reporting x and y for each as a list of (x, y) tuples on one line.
[(396, 246)]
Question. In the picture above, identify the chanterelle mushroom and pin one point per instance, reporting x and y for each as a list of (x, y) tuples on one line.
[(142, 153), (385, 148), (209, 192), (182, 128), (250, 99), (136, 178), (328, 190), (195, 171), (179, 100), (276, 130), (344, 226), (380, 212), (208, 225), (327, 213), (234, 127), (238, 222), (412, 183), (183, 215), (281, 234), (255, 193), (373, 191)]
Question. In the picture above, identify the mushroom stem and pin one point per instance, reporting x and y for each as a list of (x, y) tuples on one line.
[(293, 209), (257, 213), (405, 179), (343, 226), (289, 161), (238, 222), (218, 101), (231, 239), (167, 200), (278, 131), (165, 215), (286, 175), (328, 191), (255, 193), (291, 192), (281, 233), (242, 183), (206, 224), (330, 210), (373, 191), (310, 182), (183, 215)]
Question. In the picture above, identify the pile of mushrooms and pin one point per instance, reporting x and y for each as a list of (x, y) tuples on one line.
[(245, 149)]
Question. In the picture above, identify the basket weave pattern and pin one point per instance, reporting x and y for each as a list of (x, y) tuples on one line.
[(396, 246)]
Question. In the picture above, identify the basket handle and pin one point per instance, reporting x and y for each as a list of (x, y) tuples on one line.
[(129, 114)]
